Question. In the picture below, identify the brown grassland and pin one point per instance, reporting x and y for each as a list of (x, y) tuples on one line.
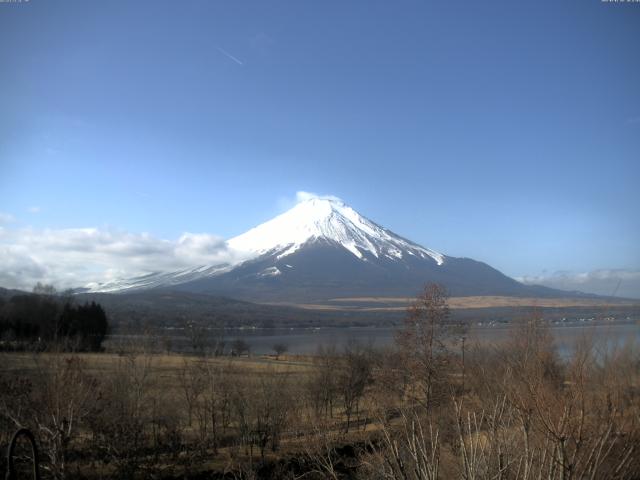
[(373, 304), (427, 408)]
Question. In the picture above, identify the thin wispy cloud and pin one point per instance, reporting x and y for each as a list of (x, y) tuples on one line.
[(228, 55), (302, 196), (285, 203), (34, 209), (618, 282)]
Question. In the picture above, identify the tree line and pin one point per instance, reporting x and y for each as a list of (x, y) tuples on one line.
[(44, 317)]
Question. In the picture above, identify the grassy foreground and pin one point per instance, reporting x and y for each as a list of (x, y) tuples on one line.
[(416, 411)]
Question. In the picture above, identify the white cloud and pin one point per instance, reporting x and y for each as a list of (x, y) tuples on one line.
[(618, 282), (76, 256), (287, 202), (34, 209), (302, 196)]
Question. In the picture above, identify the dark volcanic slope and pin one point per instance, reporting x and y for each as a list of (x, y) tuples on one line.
[(321, 270)]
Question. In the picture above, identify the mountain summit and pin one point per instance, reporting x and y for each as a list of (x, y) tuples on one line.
[(327, 219), (323, 249)]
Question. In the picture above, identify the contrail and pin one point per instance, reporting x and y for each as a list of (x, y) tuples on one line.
[(228, 55)]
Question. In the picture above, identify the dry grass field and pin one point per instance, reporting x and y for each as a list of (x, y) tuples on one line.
[(382, 304), (163, 366), (417, 411)]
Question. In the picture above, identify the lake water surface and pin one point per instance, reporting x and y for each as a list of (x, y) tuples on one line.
[(307, 341)]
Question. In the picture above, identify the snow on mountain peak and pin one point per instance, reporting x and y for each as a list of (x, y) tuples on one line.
[(313, 218), (326, 218)]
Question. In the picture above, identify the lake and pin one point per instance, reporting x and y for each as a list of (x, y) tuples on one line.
[(302, 341)]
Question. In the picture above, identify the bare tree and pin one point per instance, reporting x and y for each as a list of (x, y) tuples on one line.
[(197, 335), (213, 410), (61, 400), (422, 341), (192, 383), (271, 404), (320, 449), (408, 450), (123, 414), (321, 385), (354, 373), (279, 349), (240, 347)]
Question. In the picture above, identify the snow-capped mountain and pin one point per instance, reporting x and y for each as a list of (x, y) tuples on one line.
[(322, 249), (157, 279), (329, 220)]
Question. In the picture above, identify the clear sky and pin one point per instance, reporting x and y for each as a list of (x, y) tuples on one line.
[(505, 131)]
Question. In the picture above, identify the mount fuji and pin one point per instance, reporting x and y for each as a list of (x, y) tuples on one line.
[(323, 249)]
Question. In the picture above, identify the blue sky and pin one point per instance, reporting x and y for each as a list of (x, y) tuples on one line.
[(504, 131)]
